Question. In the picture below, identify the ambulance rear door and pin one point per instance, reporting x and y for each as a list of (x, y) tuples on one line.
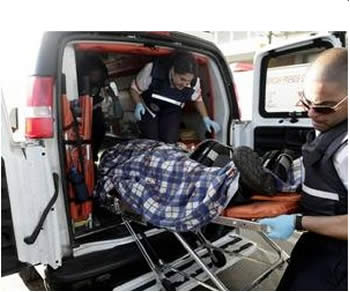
[(30, 192), (278, 120)]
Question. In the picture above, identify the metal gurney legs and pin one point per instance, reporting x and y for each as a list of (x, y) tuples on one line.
[(215, 279), (161, 268), (282, 256)]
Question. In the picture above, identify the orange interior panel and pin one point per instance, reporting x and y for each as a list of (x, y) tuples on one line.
[(133, 49)]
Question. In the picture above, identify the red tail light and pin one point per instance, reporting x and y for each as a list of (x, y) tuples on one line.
[(39, 121)]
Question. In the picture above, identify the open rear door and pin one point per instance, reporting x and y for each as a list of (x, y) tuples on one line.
[(30, 192), (278, 121)]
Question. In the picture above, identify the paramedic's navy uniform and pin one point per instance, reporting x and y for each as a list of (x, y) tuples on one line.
[(318, 259), (163, 102)]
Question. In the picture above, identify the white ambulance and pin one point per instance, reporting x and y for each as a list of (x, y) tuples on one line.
[(82, 246)]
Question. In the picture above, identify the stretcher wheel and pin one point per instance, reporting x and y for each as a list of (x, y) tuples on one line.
[(218, 258), (168, 286)]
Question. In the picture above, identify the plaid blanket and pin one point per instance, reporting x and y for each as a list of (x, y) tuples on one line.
[(161, 183)]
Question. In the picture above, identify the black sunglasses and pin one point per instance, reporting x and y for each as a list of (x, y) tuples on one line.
[(321, 109)]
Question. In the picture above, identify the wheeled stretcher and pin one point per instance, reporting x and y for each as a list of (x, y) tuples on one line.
[(209, 257), (217, 254)]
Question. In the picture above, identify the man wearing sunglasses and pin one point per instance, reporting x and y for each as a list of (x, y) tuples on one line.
[(319, 258)]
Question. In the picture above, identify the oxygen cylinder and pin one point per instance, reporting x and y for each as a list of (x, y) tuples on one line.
[(79, 186)]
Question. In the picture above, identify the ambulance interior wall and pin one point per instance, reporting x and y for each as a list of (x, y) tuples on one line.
[(193, 130)]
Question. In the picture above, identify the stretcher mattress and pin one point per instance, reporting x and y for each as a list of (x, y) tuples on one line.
[(262, 206)]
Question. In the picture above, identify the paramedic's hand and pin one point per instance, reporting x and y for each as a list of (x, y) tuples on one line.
[(139, 110), (211, 124), (281, 227)]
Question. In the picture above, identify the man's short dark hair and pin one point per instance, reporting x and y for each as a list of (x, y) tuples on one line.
[(334, 66), (184, 62)]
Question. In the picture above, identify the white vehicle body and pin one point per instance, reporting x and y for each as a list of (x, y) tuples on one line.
[(34, 170)]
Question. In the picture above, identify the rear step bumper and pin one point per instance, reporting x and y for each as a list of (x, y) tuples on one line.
[(231, 242), (125, 268)]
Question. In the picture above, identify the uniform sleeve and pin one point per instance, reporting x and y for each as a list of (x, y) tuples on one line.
[(197, 94), (340, 161), (143, 79)]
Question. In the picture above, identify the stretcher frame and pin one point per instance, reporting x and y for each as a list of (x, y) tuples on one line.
[(160, 268)]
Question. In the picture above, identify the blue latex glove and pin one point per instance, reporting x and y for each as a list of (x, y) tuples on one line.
[(211, 124), (281, 227), (139, 110)]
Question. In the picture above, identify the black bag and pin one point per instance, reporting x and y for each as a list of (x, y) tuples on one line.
[(212, 153), (280, 162)]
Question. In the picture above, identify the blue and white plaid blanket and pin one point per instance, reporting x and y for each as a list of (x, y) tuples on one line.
[(161, 183)]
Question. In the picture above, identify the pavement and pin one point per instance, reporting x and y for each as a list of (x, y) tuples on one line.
[(12, 283), (15, 283)]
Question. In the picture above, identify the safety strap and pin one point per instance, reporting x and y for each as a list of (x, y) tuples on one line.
[(79, 140)]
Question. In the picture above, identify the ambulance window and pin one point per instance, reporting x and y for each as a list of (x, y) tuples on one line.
[(284, 79)]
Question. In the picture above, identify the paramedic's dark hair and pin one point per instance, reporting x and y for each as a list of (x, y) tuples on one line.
[(184, 63)]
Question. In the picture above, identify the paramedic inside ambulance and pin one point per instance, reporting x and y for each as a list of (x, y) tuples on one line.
[(319, 258), (160, 91)]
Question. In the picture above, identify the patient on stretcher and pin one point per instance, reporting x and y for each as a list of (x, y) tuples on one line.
[(170, 189)]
